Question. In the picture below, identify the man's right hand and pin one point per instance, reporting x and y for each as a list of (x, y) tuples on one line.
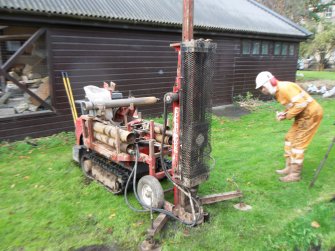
[(281, 115)]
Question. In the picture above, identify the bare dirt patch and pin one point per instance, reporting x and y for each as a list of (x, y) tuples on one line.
[(230, 111)]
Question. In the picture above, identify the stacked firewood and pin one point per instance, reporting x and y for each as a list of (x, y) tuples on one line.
[(13, 100)]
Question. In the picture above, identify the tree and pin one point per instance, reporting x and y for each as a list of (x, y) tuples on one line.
[(315, 7), (322, 45), (292, 9), (308, 14), (298, 10)]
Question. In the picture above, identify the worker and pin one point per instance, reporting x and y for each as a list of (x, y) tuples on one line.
[(307, 114)]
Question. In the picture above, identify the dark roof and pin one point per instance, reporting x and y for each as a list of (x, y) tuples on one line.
[(226, 15)]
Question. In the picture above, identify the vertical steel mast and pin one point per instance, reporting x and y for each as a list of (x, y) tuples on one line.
[(187, 35)]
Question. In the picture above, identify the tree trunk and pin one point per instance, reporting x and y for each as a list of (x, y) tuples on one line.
[(321, 66), (322, 61)]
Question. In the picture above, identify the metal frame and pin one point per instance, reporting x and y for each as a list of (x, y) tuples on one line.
[(84, 125)]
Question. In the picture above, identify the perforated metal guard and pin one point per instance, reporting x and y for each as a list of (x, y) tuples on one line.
[(196, 110)]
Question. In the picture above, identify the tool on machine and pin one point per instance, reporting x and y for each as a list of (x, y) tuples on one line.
[(322, 163), (118, 148)]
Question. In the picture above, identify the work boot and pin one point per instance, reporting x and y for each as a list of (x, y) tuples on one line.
[(294, 174), (287, 168)]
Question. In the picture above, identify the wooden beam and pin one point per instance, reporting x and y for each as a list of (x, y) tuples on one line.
[(2, 79), (25, 89), (14, 37), (213, 198), (158, 224), (19, 52)]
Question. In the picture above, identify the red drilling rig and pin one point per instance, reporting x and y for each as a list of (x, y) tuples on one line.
[(120, 149)]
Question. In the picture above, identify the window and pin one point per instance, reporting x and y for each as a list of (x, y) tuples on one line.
[(329, 12), (284, 49), (277, 49), (246, 47), (13, 46), (25, 82), (291, 50), (265, 48), (256, 47)]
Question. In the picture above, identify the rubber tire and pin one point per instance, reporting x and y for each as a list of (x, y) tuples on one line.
[(156, 188)]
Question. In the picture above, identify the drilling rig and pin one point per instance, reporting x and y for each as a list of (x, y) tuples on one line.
[(117, 147)]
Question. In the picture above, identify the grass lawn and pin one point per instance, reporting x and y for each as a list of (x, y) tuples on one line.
[(315, 75), (46, 203)]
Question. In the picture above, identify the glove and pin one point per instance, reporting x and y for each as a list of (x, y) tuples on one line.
[(280, 116)]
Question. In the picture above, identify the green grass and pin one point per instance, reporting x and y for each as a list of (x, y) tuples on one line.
[(46, 204), (315, 75)]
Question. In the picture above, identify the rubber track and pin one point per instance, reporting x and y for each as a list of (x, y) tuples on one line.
[(118, 170)]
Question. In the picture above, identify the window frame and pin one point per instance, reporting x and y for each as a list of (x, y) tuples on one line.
[(268, 48), (275, 48), (249, 42), (284, 45), (329, 12), (289, 50), (253, 47)]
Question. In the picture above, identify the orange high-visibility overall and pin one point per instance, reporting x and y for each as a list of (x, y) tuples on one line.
[(308, 115)]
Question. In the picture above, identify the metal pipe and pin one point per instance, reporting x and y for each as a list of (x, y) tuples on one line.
[(126, 148), (167, 139), (109, 130), (188, 10), (159, 129), (322, 164), (120, 102)]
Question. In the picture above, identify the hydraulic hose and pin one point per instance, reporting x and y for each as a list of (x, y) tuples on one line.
[(188, 194), (134, 185), (147, 208), (159, 210)]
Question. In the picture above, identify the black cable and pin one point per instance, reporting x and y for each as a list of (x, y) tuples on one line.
[(127, 184), (167, 174), (211, 166), (134, 172)]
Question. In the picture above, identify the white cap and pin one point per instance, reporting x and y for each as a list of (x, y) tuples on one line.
[(262, 78)]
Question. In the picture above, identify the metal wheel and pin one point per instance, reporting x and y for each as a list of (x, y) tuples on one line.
[(150, 192)]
